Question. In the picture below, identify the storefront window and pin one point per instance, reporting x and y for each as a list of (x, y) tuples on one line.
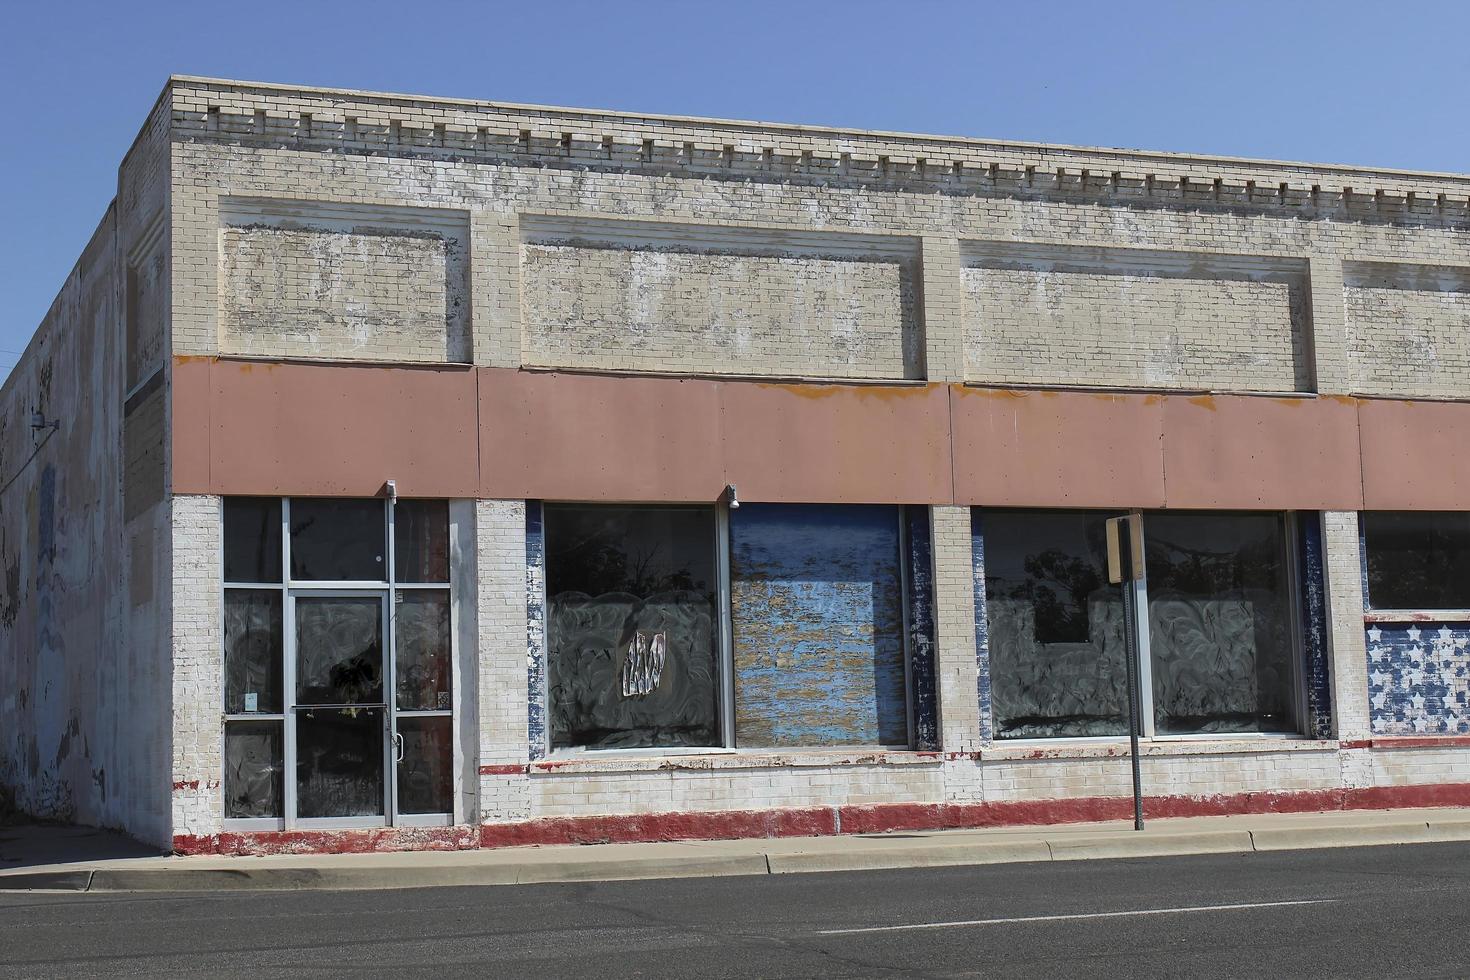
[(1057, 658), (1417, 559), (816, 599), (1221, 653), (632, 626), (1220, 623)]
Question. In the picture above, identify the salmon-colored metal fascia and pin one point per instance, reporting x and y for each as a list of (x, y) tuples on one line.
[(316, 429), (815, 443), (191, 391), (595, 437), (246, 427), (1254, 452), (1038, 448), (1415, 454)]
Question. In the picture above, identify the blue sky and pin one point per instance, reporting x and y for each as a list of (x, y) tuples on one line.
[(1354, 81)]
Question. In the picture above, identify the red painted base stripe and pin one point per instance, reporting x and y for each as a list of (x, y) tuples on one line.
[(813, 821)]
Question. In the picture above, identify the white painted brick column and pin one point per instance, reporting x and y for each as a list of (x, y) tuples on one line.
[(954, 599), (501, 594), (1348, 651), (198, 666), (944, 310)]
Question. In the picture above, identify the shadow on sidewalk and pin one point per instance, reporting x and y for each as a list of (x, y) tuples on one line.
[(28, 845)]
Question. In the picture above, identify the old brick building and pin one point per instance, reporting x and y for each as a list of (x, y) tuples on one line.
[(396, 472)]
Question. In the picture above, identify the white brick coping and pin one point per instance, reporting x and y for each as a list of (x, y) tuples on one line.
[(829, 759)]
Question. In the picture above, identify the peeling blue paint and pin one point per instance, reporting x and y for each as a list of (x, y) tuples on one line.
[(1314, 626), (535, 631), (1419, 678), (817, 610), (924, 695), (982, 625)]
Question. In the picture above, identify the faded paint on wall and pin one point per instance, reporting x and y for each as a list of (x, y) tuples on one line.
[(536, 736), (82, 687), (690, 299), (923, 670), (1408, 329), (1315, 626), (1038, 314), (328, 281), (816, 604)]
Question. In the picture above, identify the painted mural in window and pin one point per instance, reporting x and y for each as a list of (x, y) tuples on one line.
[(1222, 652), (635, 656), (1057, 659), (632, 626), (816, 602), (1220, 623)]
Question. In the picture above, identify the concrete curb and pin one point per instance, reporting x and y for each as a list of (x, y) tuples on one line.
[(771, 858)]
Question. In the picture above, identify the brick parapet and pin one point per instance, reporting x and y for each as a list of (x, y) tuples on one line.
[(403, 125)]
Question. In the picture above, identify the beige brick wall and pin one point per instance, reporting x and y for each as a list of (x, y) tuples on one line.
[(686, 299), (1116, 317), (355, 286), (1408, 329)]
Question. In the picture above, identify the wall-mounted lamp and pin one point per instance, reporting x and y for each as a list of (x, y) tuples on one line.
[(731, 497)]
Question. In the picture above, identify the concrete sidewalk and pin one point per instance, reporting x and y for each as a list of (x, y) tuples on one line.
[(104, 869)]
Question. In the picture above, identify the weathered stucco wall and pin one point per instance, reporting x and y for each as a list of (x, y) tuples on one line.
[(316, 280), (83, 618), (81, 701), (1408, 329)]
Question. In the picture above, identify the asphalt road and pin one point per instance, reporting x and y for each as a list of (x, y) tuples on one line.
[(1370, 912)]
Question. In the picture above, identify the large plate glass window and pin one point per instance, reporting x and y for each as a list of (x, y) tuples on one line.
[(1222, 653), (1057, 655), (632, 626), (338, 684), (1221, 625)]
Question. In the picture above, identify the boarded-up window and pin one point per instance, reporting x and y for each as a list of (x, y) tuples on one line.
[(817, 611)]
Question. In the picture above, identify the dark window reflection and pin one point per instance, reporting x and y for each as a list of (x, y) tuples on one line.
[(421, 540), (339, 650), (631, 636), (252, 650), (253, 769), (421, 626), (1418, 560), (338, 540), (426, 774), (1058, 662), (252, 539), (339, 762), (1219, 623)]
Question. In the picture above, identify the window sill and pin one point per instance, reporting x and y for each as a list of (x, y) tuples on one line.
[(1153, 748), (727, 759), (1416, 616)]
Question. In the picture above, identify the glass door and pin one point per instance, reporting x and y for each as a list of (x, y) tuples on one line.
[(340, 717)]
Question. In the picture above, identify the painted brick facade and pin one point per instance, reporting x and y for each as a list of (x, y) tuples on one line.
[(264, 224)]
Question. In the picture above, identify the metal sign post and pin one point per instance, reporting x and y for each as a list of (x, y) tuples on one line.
[(1125, 567)]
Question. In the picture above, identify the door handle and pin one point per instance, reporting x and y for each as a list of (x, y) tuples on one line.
[(397, 747)]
